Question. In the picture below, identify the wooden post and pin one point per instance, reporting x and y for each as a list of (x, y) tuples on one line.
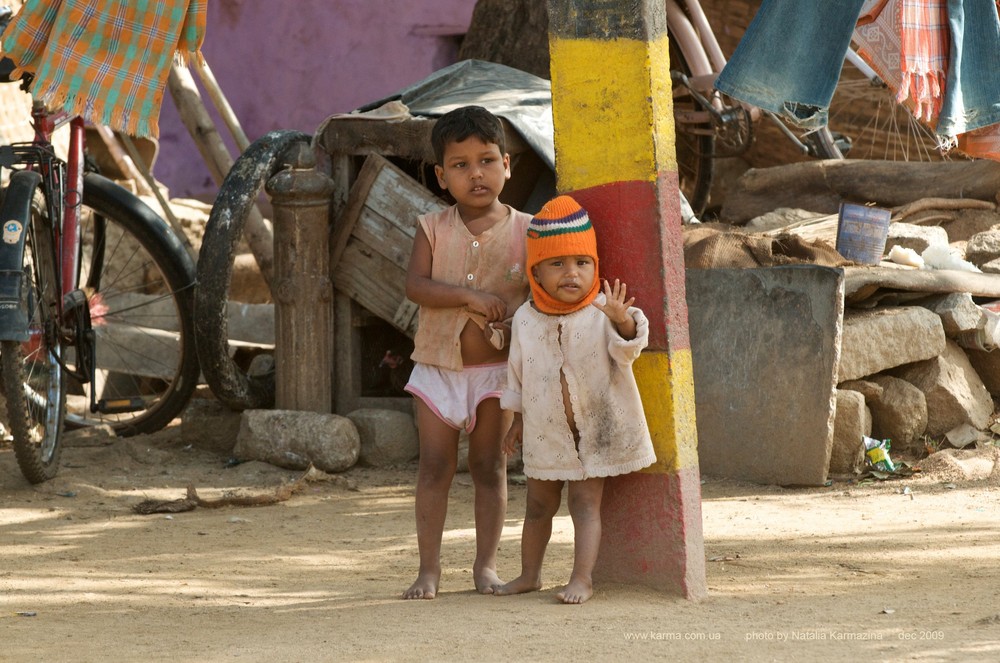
[(303, 293), (614, 138)]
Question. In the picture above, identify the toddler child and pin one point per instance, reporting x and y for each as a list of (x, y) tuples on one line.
[(570, 384)]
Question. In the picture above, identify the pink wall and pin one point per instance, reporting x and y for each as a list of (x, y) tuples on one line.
[(288, 64)]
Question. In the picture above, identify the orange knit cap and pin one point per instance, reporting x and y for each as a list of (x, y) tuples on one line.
[(561, 228)]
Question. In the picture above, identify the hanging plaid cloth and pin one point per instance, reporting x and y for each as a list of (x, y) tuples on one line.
[(925, 45), (105, 60)]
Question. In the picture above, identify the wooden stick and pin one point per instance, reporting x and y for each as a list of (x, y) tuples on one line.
[(122, 160), (941, 204), (164, 203), (222, 105), (199, 123)]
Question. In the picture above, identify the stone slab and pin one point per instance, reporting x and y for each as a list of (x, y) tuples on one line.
[(765, 345)]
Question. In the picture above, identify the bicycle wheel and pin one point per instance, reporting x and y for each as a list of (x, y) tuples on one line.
[(138, 280), (694, 139), (875, 126), (32, 378)]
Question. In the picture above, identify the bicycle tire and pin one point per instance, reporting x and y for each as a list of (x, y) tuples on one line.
[(694, 143), (139, 281), (239, 190), (33, 380), (875, 125)]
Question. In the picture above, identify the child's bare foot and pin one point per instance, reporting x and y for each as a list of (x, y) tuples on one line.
[(487, 581), (577, 591), (424, 587), (518, 585)]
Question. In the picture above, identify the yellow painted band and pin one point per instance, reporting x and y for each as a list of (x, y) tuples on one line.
[(612, 110), (666, 386)]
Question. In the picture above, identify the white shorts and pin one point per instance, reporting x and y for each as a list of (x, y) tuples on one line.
[(454, 395)]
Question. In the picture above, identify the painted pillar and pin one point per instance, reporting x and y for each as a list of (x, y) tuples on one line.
[(614, 141)]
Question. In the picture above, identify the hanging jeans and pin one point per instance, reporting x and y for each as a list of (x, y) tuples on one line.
[(972, 92), (789, 60)]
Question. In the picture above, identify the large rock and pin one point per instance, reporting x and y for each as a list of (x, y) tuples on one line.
[(388, 437), (969, 222), (987, 365), (958, 312), (899, 413), (764, 346), (296, 439), (983, 247), (954, 391), (991, 267), (852, 421), (884, 338), (916, 237)]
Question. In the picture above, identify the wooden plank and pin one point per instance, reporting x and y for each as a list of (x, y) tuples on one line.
[(405, 316), (382, 236), (344, 225), (366, 281), (399, 198), (410, 139), (860, 282)]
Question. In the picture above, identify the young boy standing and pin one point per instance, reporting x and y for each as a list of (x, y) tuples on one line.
[(575, 400), (466, 273)]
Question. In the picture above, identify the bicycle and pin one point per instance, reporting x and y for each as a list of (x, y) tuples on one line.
[(96, 314), (865, 121)]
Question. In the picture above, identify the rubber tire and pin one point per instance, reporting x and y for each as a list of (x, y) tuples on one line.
[(236, 197), (178, 269), (38, 460)]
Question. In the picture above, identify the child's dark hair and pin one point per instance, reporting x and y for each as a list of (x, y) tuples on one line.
[(457, 125)]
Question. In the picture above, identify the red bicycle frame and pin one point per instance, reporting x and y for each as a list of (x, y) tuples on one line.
[(67, 230)]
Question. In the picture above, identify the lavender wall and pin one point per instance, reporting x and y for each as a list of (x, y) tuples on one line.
[(288, 64)]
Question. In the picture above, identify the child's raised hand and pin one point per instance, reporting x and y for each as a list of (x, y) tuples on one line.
[(616, 306)]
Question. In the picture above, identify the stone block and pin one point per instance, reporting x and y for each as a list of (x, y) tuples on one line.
[(294, 439), (884, 338), (958, 312), (760, 416), (853, 421), (987, 365), (913, 236), (954, 391), (983, 247), (899, 413), (991, 267), (388, 437)]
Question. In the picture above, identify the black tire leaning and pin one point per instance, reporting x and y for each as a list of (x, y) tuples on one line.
[(237, 194)]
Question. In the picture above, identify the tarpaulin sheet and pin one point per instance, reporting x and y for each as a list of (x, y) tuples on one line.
[(523, 99)]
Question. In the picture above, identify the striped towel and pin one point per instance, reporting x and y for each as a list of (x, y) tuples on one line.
[(105, 60), (924, 52)]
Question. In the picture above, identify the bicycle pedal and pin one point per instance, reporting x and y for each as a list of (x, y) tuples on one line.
[(119, 405)]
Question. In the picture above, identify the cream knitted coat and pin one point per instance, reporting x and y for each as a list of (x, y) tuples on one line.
[(597, 362)]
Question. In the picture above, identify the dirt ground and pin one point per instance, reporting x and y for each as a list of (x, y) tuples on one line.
[(903, 569)]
